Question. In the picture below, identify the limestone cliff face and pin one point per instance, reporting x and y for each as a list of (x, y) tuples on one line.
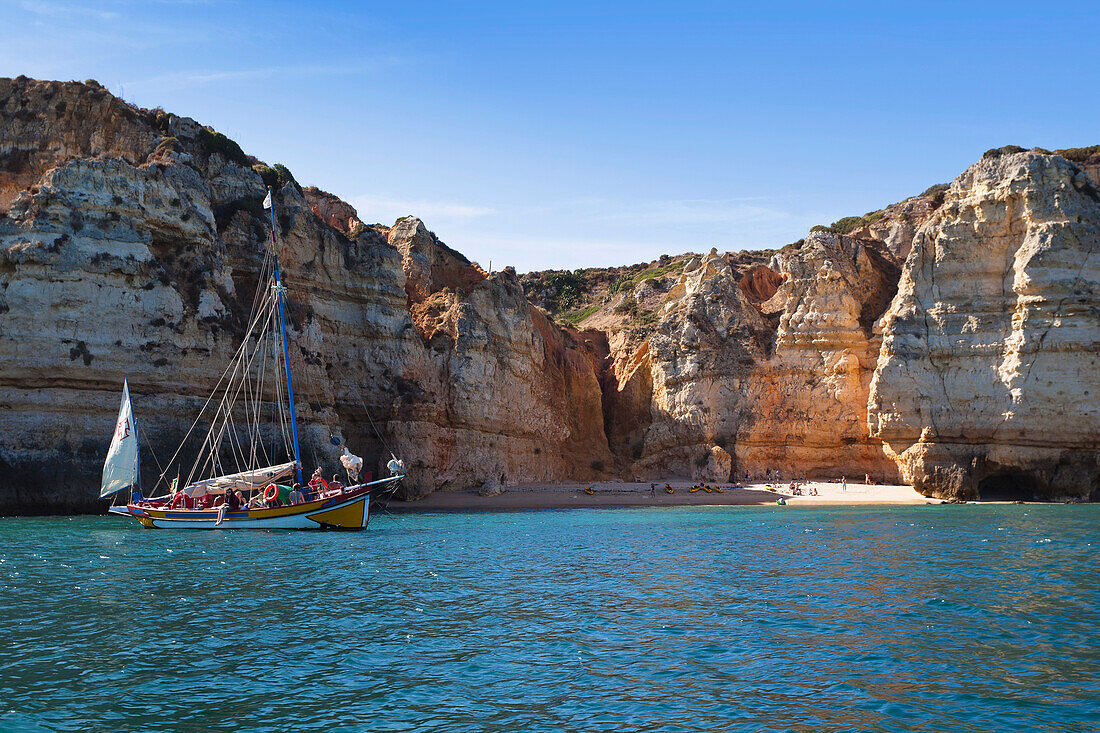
[(808, 400), (502, 395), (989, 374), (707, 342), (779, 384), (951, 339), (130, 243)]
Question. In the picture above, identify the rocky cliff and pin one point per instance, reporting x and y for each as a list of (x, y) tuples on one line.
[(975, 379), (988, 381), (950, 339), (130, 242)]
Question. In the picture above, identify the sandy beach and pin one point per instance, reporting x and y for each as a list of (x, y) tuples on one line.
[(622, 494)]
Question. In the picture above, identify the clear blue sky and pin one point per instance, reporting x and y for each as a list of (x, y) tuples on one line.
[(586, 134)]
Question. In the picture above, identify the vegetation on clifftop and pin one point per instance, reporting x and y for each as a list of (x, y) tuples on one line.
[(215, 142)]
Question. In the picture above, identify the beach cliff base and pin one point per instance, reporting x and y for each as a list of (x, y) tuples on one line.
[(637, 494)]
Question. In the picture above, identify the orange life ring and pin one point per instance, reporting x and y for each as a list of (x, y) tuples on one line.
[(271, 492)]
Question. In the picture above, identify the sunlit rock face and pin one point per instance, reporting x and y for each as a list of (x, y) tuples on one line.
[(808, 399), (988, 382), (950, 340), (130, 245), (709, 338), (781, 384)]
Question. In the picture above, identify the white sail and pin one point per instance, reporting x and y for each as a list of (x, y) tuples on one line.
[(120, 470), (244, 481)]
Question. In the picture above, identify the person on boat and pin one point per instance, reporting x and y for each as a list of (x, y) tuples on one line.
[(296, 495), (335, 486), (307, 495), (317, 483), (180, 500), (230, 502)]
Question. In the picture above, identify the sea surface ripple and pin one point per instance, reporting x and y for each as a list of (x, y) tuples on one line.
[(945, 618)]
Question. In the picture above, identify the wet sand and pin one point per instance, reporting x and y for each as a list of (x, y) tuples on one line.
[(620, 494)]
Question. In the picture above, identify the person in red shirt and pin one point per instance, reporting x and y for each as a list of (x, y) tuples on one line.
[(317, 484)]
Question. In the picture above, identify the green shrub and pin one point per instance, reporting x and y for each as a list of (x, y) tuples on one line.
[(849, 224), (566, 289), (655, 272), (285, 176), (167, 145), (215, 142), (624, 281), (937, 190), (277, 176), (845, 224), (581, 314), (1079, 155), (1006, 150), (629, 306)]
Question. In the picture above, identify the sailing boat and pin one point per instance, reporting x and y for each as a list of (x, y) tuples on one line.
[(234, 481)]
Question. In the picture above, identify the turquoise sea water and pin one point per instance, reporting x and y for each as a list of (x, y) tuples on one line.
[(961, 618)]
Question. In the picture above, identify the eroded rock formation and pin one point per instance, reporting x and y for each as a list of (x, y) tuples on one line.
[(129, 247), (988, 384), (951, 339)]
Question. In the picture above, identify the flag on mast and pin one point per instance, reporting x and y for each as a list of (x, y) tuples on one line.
[(267, 199)]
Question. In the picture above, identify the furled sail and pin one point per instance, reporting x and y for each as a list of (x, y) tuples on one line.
[(244, 481), (120, 470)]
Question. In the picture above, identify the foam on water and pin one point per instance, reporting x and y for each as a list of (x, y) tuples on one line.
[(735, 618)]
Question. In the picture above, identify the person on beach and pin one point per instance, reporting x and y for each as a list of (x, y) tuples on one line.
[(867, 479), (843, 483)]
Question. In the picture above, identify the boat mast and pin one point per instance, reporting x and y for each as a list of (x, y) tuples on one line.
[(281, 293), (135, 495)]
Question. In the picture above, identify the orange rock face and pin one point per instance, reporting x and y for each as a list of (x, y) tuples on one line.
[(130, 242)]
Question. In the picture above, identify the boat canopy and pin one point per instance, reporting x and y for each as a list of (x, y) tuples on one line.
[(243, 481), (120, 470)]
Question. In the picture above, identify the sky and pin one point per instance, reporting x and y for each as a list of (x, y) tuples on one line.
[(589, 134)]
